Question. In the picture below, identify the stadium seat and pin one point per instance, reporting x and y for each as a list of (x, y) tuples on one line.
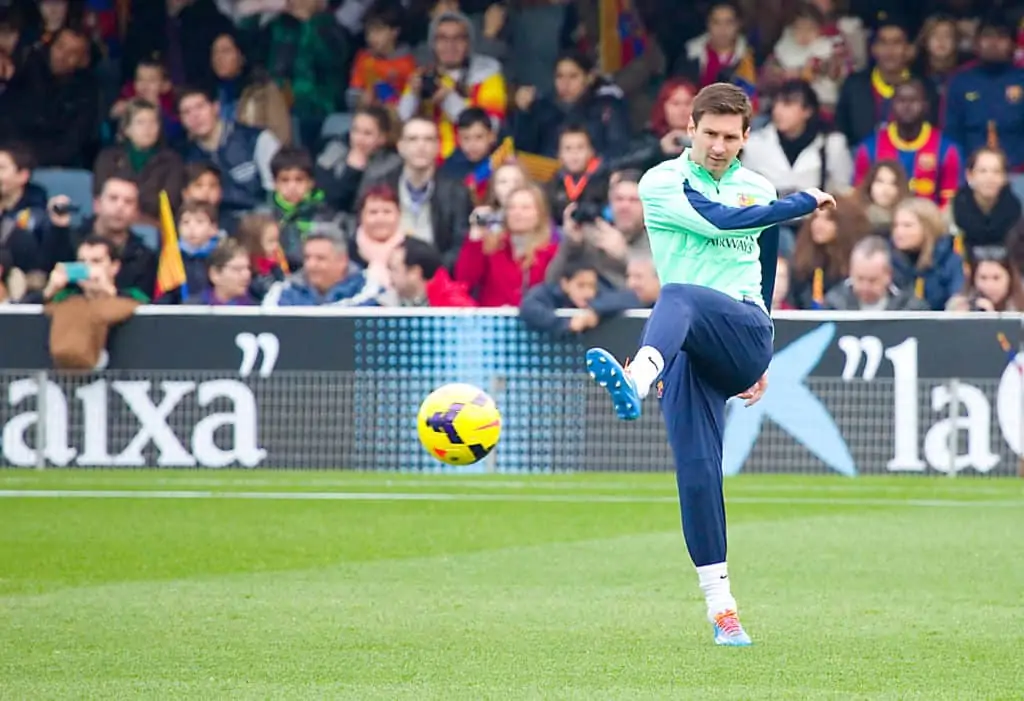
[(150, 235), (76, 184), (336, 125)]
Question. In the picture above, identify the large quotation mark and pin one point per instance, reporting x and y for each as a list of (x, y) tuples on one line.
[(251, 346), (445, 423), (869, 348)]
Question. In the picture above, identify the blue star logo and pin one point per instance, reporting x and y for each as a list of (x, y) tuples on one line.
[(790, 404)]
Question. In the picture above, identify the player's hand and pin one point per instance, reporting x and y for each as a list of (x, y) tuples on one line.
[(824, 199), (754, 394)]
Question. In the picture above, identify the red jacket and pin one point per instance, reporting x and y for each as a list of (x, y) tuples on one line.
[(499, 279), (442, 291)]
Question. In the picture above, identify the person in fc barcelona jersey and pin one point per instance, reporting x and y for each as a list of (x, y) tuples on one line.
[(929, 157), (710, 334)]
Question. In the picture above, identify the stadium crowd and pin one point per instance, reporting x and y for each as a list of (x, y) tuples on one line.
[(481, 153)]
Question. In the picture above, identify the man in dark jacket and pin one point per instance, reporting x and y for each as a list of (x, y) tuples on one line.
[(434, 208), (870, 287), (115, 208), (22, 209), (419, 279), (52, 104), (242, 153)]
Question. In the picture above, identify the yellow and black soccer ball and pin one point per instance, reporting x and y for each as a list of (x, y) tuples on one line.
[(459, 424)]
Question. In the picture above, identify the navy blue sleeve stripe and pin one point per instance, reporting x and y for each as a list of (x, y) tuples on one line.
[(755, 216)]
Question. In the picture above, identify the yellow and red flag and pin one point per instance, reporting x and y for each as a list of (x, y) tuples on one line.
[(170, 271)]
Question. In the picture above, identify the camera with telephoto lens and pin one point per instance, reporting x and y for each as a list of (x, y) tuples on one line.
[(587, 212), (428, 85)]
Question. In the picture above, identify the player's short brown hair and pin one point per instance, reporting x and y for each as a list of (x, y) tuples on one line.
[(722, 98)]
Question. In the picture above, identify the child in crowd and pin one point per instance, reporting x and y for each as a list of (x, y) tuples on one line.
[(261, 236), (577, 289), (296, 201), (381, 70), (582, 177), (471, 161), (202, 184), (152, 85), (198, 236), (804, 52), (22, 209)]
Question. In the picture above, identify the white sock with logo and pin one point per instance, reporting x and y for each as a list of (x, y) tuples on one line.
[(714, 582), (645, 368)]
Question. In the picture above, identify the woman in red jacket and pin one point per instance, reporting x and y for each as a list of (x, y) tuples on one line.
[(500, 265)]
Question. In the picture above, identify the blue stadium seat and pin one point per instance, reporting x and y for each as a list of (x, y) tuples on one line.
[(150, 235), (76, 184), (336, 125)]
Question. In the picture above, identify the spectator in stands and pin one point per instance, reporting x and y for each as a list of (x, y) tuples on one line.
[(296, 202), (577, 288), (938, 53), (22, 209), (805, 53), (985, 102), (780, 293), (500, 267), (669, 133), (627, 213), (12, 280), (260, 235), (865, 96), (994, 284), (932, 160), (869, 288), (435, 208), (378, 233), (419, 279), (506, 178), (642, 279), (471, 161), (52, 104), (382, 69), (366, 154), (150, 84), (327, 278), (821, 257), (846, 31), (589, 235), (581, 98), (582, 178), (456, 79), (141, 153), (105, 279), (795, 151), (229, 277), (182, 31), (14, 45), (721, 54), (242, 153), (307, 54), (227, 62), (55, 15), (198, 237), (114, 210), (985, 209), (487, 26), (924, 258), (883, 187)]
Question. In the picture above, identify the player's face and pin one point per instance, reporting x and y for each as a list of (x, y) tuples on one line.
[(992, 281), (717, 140), (988, 177), (870, 277), (908, 104)]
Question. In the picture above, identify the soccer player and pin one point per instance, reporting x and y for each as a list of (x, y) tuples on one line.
[(710, 335)]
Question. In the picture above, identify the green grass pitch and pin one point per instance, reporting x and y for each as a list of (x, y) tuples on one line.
[(263, 585)]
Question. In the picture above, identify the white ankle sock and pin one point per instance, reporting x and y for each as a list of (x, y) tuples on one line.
[(714, 582), (645, 368)]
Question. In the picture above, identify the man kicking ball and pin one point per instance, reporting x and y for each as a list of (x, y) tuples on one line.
[(709, 336)]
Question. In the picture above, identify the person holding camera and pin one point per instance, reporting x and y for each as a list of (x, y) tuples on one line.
[(582, 176), (459, 78), (92, 275), (505, 255), (587, 234)]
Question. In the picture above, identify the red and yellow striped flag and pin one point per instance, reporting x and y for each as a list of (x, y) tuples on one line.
[(170, 271)]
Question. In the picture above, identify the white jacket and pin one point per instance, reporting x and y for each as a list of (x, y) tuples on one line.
[(763, 154)]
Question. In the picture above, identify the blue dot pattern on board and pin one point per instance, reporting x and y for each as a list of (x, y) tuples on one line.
[(532, 377)]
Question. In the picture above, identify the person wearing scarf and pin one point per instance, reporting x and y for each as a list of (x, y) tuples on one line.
[(378, 234), (198, 238), (985, 210)]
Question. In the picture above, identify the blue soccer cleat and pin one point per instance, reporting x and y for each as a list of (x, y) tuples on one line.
[(606, 371), (728, 630)]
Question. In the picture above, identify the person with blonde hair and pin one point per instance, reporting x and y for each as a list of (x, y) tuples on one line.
[(924, 257), (501, 264)]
